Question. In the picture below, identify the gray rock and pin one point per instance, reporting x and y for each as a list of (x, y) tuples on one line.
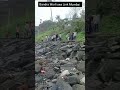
[(78, 87), (114, 48), (73, 54), (61, 85), (50, 74), (81, 66), (79, 55), (114, 55), (72, 80), (113, 86)]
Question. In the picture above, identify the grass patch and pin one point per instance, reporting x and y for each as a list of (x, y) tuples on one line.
[(110, 25), (41, 36), (81, 37)]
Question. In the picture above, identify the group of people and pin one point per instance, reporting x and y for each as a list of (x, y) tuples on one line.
[(92, 23), (29, 30), (54, 37), (71, 36), (58, 37)]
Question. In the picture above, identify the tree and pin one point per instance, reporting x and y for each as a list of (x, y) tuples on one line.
[(46, 25), (58, 18), (74, 12), (83, 15)]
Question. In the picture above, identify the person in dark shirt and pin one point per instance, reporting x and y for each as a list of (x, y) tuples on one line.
[(90, 24), (32, 28), (71, 36)]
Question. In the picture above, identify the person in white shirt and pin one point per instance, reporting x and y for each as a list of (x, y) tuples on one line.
[(96, 21), (74, 35), (52, 37), (46, 38), (60, 36)]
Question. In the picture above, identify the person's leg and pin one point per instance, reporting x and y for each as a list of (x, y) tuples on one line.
[(18, 35), (74, 37), (56, 39), (60, 39)]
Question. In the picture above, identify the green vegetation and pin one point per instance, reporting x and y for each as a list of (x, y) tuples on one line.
[(110, 25), (11, 27), (41, 36), (62, 28), (74, 23), (109, 10)]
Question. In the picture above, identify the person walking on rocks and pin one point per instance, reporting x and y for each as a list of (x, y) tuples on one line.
[(90, 23), (47, 38), (71, 37), (27, 29), (32, 27), (53, 37), (60, 37), (56, 38), (17, 31)]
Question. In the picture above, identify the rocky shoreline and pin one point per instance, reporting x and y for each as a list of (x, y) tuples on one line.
[(64, 64)]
